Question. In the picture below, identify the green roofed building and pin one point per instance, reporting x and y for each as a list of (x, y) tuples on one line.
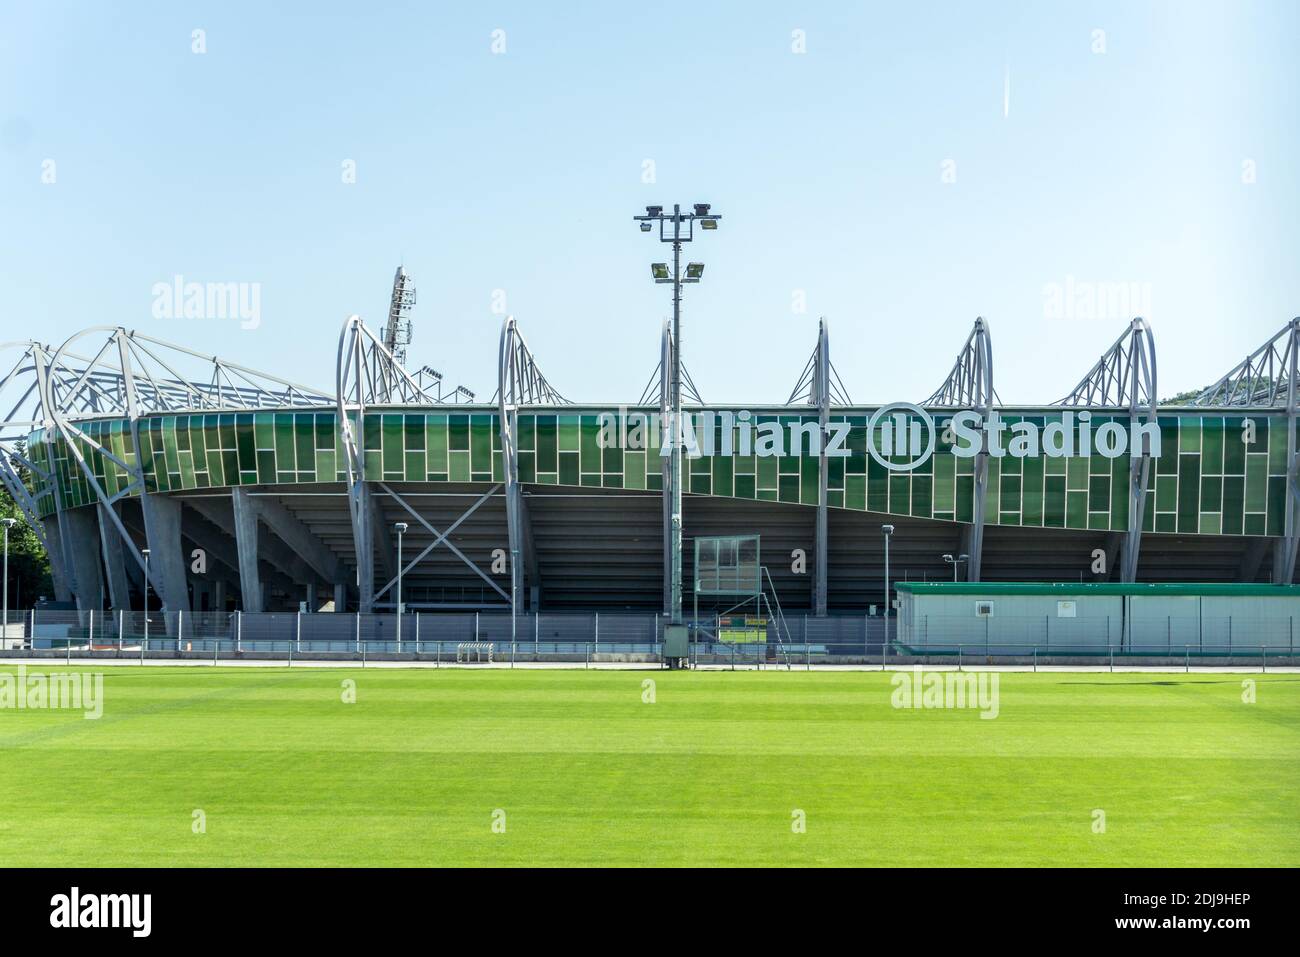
[(1074, 617)]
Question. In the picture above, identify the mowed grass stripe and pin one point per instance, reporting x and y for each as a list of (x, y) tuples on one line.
[(709, 774)]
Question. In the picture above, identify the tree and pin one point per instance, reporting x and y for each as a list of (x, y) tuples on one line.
[(29, 563)]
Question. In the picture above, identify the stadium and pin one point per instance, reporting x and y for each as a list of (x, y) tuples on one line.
[(237, 490)]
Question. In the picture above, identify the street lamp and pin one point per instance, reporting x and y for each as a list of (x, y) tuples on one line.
[(677, 227), (888, 531), (954, 562), (8, 524), (145, 553), (401, 528)]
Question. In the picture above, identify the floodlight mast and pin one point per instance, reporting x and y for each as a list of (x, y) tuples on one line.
[(677, 219)]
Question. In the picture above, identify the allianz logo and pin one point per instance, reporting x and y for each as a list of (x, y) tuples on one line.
[(900, 436)]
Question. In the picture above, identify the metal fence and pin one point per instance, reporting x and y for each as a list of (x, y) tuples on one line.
[(606, 637)]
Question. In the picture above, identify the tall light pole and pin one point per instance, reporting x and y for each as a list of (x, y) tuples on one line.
[(888, 531), (954, 562), (4, 630), (677, 228), (401, 528), (145, 553)]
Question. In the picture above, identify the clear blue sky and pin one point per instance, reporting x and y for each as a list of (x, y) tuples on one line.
[(520, 171)]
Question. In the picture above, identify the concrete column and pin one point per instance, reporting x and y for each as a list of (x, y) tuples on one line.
[(340, 597), (311, 597), (115, 559), (83, 544), (250, 583), (62, 582), (219, 594), (821, 395), (167, 556), (364, 542), (974, 564)]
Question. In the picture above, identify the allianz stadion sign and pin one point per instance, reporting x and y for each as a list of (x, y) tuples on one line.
[(900, 436)]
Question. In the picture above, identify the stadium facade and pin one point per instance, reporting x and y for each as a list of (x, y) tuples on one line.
[(236, 488)]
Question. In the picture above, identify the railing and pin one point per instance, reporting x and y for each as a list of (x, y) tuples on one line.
[(803, 640)]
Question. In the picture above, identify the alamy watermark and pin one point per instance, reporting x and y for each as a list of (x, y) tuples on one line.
[(1106, 300), (76, 909), (64, 691), (948, 689), (180, 299)]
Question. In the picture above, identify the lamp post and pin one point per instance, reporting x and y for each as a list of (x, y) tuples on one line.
[(145, 553), (8, 524), (887, 531), (401, 528), (677, 227), (954, 562)]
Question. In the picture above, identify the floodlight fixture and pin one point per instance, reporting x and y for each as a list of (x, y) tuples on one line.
[(660, 273), (654, 210), (709, 223), (701, 209), (645, 226), (694, 272)]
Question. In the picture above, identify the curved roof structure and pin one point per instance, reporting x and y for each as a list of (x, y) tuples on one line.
[(533, 500)]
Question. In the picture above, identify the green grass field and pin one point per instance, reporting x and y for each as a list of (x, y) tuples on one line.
[(286, 773)]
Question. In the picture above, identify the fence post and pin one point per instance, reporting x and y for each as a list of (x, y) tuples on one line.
[(959, 657), (1111, 649), (297, 638), (358, 632), (216, 647), (90, 637), (1035, 659), (417, 634), (1187, 658), (476, 626), (537, 633), (239, 632), (597, 632), (1263, 659), (120, 616), (586, 654)]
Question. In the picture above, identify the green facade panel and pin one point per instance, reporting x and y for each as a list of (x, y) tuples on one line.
[(1216, 474)]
